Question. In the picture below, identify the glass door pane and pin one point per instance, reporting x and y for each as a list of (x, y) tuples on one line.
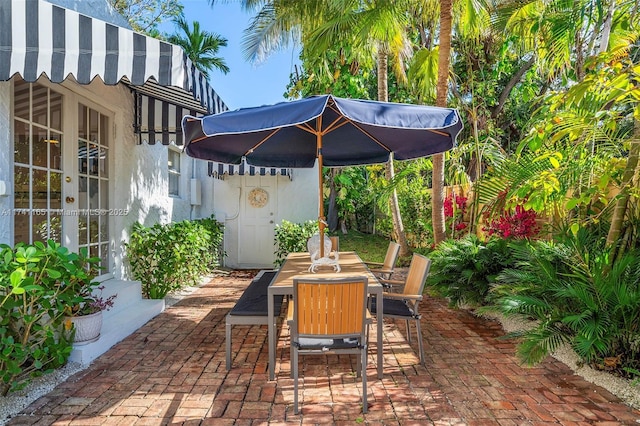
[(37, 163), (93, 183)]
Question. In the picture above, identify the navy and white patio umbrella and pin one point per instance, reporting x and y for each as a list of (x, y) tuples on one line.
[(333, 131)]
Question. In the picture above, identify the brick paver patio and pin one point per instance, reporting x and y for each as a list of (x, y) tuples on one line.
[(172, 371)]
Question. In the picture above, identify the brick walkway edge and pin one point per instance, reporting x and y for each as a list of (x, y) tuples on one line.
[(172, 371)]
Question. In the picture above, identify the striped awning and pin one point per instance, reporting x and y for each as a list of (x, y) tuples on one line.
[(39, 38), (157, 120), (220, 170)]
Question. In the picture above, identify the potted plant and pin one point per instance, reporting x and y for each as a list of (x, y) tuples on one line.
[(86, 304), (86, 317)]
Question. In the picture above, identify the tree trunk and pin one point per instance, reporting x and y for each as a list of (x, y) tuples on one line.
[(606, 28), (383, 96), (515, 79), (398, 225), (437, 195), (630, 171)]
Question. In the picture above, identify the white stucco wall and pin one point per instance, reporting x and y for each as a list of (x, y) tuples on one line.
[(298, 197), (139, 179), (138, 173), (140, 183), (6, 162), (296, 201)]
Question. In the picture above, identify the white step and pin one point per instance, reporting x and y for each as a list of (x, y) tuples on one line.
[(129, 313), (127, 293)]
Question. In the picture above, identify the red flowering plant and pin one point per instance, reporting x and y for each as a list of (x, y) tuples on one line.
[(455, 208), (519, 224)]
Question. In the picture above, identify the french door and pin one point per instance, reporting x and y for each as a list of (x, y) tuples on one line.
[(61, 169)]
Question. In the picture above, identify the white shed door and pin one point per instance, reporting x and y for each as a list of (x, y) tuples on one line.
[(257, 222)]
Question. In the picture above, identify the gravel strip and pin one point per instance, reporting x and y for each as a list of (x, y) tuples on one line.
[(17, 401)]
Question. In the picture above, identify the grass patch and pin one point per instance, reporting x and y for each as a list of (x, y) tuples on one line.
[(370, 248)]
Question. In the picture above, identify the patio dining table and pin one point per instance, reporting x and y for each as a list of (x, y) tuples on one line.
[(296, 265)]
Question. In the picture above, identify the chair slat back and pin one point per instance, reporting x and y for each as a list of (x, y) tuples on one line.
[(417, 275), (392, 255), (324, 307), (335, 243)]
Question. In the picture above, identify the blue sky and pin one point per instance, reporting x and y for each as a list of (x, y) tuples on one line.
[(246, 84)]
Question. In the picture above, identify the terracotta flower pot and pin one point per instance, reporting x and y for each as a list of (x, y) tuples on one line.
[(87, 328)]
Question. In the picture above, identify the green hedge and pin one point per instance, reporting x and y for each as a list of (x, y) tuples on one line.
[(292, 237), (167, 258)]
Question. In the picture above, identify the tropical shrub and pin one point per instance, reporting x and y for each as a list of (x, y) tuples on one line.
[(414, 198), (412, 185), (576, 296), (354, 201), (520, 223), (463, 270), (166, 258), (455, 209), (38, 284), (292, 237)]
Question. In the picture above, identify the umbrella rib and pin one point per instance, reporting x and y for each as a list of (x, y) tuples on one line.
[(331, 127), (306, 127), (438, 132), (198, 139), (357, 126), (250, 150)]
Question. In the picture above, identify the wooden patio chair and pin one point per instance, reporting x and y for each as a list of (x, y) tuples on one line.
[(385, 269), (329, 316), (404, 304)]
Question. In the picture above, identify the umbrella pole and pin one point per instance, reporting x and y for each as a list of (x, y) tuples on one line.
[(321, 220)]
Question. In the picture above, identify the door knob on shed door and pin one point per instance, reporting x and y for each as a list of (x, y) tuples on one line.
[(70, 200)]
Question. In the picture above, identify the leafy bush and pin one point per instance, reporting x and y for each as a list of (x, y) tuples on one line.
[(415, 208), (518, 224), (92, 302), (412, 186), (166, 258), (38, 283), (455, 209), (292, 237), (576, 296), (463, 270)]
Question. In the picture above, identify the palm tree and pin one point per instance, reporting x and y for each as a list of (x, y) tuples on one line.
[(382, 30), (631, 170), (200, 46), (374, 30), (444, 52)]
